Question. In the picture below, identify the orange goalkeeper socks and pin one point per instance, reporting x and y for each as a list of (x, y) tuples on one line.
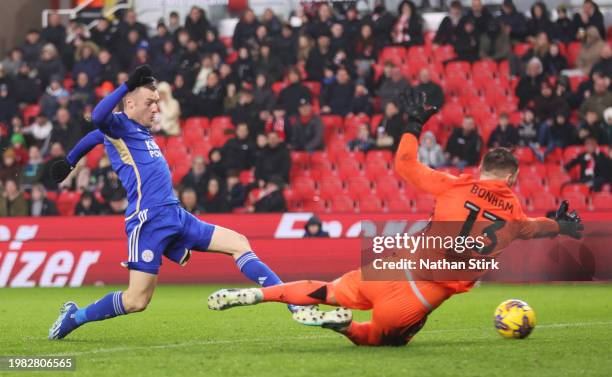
[(304, 292)]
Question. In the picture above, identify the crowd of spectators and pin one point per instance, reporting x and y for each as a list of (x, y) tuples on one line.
[(66, 68)]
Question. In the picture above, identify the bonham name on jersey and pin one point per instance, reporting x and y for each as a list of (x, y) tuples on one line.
[(492, 198)]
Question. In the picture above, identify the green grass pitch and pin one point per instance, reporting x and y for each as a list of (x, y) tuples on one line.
[(178, 335)]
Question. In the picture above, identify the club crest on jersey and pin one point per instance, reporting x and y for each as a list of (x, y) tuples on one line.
[(147, 256), (153, 148)]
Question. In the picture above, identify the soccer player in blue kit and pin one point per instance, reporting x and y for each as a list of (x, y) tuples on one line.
[(155, 223)]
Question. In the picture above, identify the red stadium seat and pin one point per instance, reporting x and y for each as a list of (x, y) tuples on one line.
[(573, 50), (380, 155), (455, 82), (571, 152), (575, 81), (524, 155), (29, 112), (67, 201), (424, 203), (221, 122), (370, 204), (399, 205), (393, 54), (348, 168), (332, 121), (577, 200), (304, 188), (521, 49), (359, 187), (315, 205), (314, 87), (374, 169), (529, 185), (602, 201), (299, 158), (582, 188), (352, 123), (197, 122), (387, 188), (452, 114), (342, 204), (330, 187), (543, 201), (459, 67), (443, 53), (247, 176)]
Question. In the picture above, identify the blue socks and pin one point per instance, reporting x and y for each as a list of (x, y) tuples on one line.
[(107, 307), (254, 269)]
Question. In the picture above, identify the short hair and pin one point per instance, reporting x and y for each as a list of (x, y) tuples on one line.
[(151, 86), (500, 159)]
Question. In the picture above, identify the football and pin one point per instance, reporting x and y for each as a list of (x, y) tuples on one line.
[(514, 319)]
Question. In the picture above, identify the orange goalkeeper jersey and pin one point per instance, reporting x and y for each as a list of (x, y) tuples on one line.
[(473, 206)]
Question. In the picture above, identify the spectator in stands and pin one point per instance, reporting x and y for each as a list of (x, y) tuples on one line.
[(430, 152), (107, 68), (590, 50), (18, 145), (25, 88), (82, 95), (307, 129), (12, 62), (547, 104), (88, 205), (272, 22), (608, 125), (541, 47), (127, 49), (365, 47), (196, 23), (527, 129), (112, 188), (65, 131), (189, 201), (314, 228), (467, 43), (32, 172), (263, 96), (337, 98), (210, 100), (601, 97), (39, 131), (319, 58), (129, 23), (213, 46), (247, 112), (238, 152), (530, 85), (284, 46), (408, 28), (278, 122), (101, 34), (362, 102), (604, 65), (184, 96), (511, 16), (236, 191), (245, 29), (214, 201), (197, 178), (434, 93), (12, 201), (392, 84), (216, 165), (141, 58), (589, 15), (338, 39), (540, 22), (243, 68), (273, 160), (558, 133), (49, 65), (321, 23), (230, 102), (50, 101), (268, 64), (270, 198), (169, 110), (390, 128), (363, 141), (10, 167), (304, 46), (8, 106), (156, 44), (289, 98), (482, 18), (32, 46), (117, 203), (451, 25), (553, 62), (39, 205), (564, 31), (592, 128), (593, 165), (174, 23), (55, 32), (87, 61), (505, 134), (382, 23), (464, 145)]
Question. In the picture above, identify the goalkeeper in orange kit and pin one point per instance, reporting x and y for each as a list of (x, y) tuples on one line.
[(400, 307)]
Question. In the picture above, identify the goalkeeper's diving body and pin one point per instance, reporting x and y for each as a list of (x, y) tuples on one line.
[(400, 308), (155, 224)]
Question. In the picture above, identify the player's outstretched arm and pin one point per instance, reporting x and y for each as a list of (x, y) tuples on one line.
[(62, 168), (407, 164), (102, 115), (564, 223)]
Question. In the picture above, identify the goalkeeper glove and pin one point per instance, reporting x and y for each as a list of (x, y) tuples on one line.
[(414, 105), (142, 75), (60, 170), (570, 223)]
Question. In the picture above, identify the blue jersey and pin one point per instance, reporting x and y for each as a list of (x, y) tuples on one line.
[(134, 156)]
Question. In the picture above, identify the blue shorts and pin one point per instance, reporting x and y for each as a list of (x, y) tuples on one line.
[(167, 230)]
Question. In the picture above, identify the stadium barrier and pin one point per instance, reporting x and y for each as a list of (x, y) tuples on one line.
[(75, 251)]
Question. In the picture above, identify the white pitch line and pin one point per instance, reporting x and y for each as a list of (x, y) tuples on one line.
[(299, 338)]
